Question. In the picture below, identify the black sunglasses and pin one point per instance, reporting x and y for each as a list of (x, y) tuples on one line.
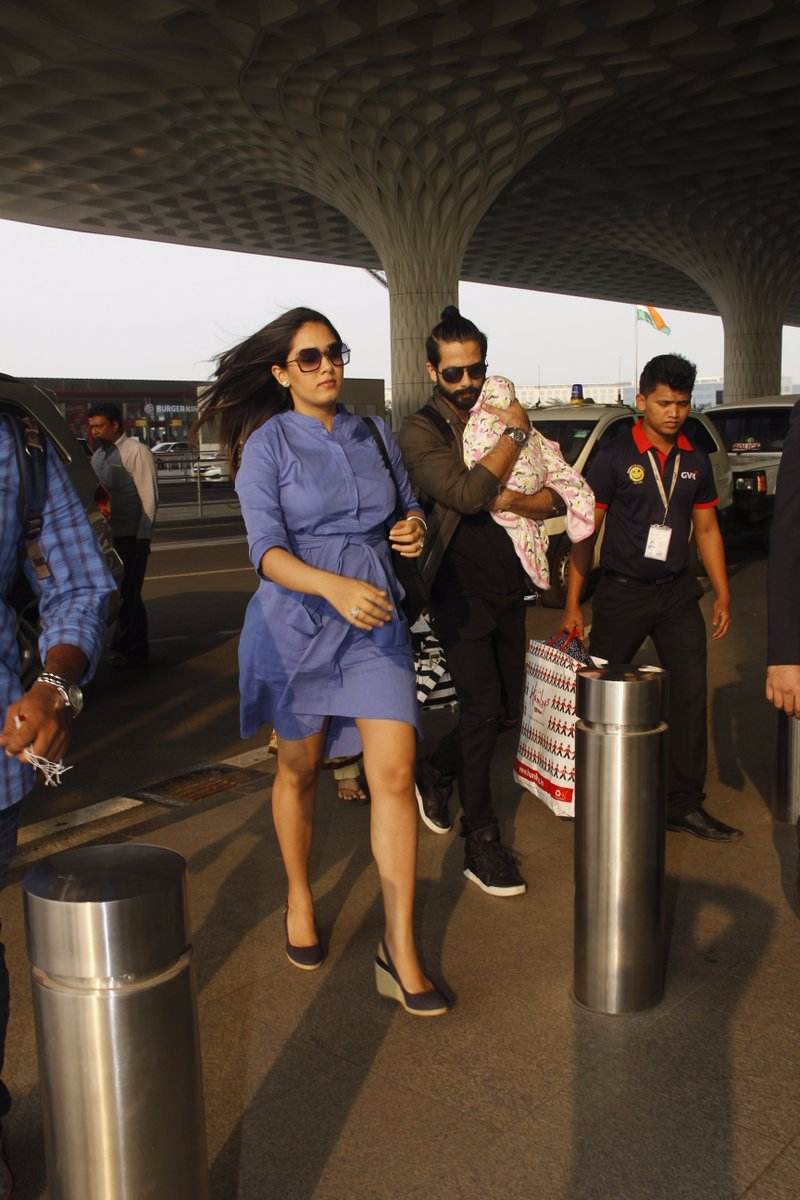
[(311, 358), (456, 374)]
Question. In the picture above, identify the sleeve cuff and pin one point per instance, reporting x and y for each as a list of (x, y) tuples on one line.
[(260, 547), (707, 504)]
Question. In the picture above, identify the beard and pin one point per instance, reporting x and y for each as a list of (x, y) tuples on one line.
[(461, 398)]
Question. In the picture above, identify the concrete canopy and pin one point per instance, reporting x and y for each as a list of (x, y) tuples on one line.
[(639, 150)]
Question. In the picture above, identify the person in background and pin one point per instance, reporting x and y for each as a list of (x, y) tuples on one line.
[(652, 487), (783, 587), (72, 600), (127, 470), (325, 652)]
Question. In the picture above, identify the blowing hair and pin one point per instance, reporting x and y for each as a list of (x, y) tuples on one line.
[(244, 393), (453, 327), (673, 370)]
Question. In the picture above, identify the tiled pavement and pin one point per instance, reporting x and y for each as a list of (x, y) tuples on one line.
[(316, 1088)]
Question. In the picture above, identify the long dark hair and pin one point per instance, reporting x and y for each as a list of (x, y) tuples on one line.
[(244, 392)]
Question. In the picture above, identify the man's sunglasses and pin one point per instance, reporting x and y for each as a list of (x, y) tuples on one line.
[(456, 374), (311, 359)]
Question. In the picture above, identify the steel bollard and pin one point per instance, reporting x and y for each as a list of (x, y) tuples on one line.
[(786, 789), (620, 824), (116, 1025)]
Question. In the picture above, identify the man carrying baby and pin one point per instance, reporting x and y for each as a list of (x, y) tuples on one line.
[(477, 591)]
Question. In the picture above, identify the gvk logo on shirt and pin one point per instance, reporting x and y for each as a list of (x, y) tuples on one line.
[(689, 475)]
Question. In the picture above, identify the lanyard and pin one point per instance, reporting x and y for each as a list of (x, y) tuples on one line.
[(665, 499)]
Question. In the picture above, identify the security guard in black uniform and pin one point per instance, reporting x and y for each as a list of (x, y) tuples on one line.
[(650, 488)]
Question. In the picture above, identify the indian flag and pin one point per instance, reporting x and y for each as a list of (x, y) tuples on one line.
[(653, 317)]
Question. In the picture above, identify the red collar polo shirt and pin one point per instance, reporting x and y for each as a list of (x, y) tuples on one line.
[(623, 479)]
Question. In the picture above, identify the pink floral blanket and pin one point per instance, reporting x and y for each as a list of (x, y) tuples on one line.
[(540, 464)]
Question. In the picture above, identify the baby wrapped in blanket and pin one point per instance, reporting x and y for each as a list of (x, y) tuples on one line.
[(540, 464)]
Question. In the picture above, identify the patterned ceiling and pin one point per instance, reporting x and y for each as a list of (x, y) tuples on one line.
[(631, 149)]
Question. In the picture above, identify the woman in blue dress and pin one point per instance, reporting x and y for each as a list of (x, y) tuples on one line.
[(325, 654)]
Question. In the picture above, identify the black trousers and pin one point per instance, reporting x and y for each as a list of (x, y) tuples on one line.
[(130, 636), (484, 640), (623, 615)]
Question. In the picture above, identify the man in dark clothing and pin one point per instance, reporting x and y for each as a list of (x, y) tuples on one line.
[(783, 585), (127, 470), (477, 589), (650, 489)]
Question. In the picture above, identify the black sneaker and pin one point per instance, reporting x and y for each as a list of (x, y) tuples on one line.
[(492, 866), (433, 797)]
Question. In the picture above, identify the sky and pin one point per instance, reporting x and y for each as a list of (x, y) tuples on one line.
[(91, 306)]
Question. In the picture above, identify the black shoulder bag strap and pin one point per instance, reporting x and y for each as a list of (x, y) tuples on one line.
[(406, 569), (435, 417)]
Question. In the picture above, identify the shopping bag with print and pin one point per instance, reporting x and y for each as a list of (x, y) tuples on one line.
[(545, 762)]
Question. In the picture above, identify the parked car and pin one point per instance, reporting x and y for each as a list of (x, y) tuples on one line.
[(213, 471), (36, 403), (581, 431), (753, 432), (179, 448)]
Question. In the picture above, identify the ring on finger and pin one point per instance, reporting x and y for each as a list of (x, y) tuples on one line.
[(354, 612)]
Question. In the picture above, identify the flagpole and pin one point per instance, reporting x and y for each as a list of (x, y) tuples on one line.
[(635, 349)]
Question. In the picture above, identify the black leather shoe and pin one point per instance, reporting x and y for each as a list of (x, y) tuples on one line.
[(433, 797), (307, 958), (703, 825)]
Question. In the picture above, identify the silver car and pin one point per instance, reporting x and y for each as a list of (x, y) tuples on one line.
[(581, 430), (753, 432)]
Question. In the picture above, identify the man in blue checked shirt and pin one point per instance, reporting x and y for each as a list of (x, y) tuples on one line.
[(72, 608)]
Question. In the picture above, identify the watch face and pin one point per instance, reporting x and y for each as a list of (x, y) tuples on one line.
[(75, 698)]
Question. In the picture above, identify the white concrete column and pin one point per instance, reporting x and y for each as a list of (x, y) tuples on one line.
[(750, 275), (753, 336), (419, 288)]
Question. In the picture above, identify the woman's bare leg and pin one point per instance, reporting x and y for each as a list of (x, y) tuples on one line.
[(292, 814), (389, 752)]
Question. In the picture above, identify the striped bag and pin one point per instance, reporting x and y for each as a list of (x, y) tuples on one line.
[(434, 685)]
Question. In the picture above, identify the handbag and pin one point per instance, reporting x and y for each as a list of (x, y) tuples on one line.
[(435, 687), (416, 597), (545, 762)]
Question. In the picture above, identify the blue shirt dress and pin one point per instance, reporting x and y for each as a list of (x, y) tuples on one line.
[(326, 498)]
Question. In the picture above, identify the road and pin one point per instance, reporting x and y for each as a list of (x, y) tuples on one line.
[(182, 710), (140, 726)]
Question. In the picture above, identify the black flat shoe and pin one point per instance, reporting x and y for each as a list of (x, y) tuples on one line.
[(420, 1004), (306, 958), (701, 824)]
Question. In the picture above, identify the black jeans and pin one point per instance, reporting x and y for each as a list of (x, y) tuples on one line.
[(484, 640), (130, 635), (623, 615), (9, 820)]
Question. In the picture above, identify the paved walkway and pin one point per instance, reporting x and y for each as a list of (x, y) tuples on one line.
[(315, 1088)]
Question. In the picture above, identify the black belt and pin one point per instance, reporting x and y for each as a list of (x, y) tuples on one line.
[(618, 578)]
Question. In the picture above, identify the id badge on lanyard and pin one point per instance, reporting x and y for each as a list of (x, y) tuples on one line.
[(659, 535)]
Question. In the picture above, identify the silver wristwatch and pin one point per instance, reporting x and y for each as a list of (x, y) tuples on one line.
[(518, 436), (70, 693)]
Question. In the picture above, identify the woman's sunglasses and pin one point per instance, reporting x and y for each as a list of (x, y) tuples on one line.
[(456, 374), (311, 359)]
